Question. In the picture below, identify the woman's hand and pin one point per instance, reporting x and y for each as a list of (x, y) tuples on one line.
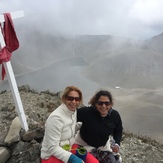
[(115, 148)]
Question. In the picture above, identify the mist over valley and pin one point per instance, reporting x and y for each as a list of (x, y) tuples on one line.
[(91, 62)]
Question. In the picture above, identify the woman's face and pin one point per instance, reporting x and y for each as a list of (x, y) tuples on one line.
[(103, 105), (72, 101)]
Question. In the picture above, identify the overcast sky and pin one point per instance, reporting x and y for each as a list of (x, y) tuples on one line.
[(137, 19)]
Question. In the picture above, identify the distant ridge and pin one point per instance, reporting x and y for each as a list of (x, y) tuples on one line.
[(118, 61), (155, 43)]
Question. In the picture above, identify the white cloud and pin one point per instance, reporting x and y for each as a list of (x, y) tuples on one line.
[(148, 11), (129, 18)]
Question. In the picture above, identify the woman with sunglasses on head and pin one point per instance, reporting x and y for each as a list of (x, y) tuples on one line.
[(60, 129), (99, 124)]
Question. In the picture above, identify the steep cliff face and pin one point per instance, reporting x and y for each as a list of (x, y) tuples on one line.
[(17, 146)]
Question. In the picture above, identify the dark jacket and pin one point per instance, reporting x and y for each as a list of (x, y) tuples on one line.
[(95, 129)]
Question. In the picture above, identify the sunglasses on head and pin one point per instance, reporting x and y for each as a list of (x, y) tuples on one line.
[(70, 98), (101, 103)]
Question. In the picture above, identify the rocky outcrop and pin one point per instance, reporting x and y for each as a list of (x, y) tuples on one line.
[(18, 146)]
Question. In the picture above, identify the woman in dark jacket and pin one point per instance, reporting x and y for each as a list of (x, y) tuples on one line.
[(101, 129)]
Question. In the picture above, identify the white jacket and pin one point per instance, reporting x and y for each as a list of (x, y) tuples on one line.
[(59, 130)]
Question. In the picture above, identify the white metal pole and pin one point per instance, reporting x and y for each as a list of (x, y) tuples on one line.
[(11, 77)]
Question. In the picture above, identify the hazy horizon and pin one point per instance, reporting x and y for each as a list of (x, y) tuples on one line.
[(95, 62)]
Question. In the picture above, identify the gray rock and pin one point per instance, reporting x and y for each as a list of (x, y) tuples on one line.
[(13, 134), (4, 154), (25, 152)]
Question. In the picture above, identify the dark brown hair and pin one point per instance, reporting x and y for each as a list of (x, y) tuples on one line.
[(100, 93)]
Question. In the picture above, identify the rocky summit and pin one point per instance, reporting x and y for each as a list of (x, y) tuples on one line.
[(19, 146)]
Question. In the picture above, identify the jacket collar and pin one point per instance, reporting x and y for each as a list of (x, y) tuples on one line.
[(66, 110)]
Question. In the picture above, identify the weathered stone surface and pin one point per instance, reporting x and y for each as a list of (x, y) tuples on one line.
[(3, 134), (34, 134), (13, 134), (25, 152), (4, 154)]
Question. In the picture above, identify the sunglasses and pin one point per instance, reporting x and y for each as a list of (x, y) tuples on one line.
[(101, 103), (70, 98)]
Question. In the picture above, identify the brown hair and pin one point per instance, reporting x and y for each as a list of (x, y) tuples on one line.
[(100, 93), (69, 89)]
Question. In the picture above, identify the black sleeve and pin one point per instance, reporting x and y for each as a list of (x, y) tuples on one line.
[(81, 112), (118, 129)]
